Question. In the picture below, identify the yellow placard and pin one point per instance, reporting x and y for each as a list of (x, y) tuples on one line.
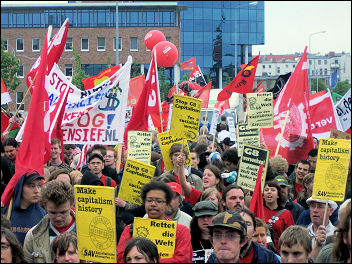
[(135, 175), (260, 110), (246, 135), (139, 146), (166, 141), (251, 158), (185, 117), (334, 133), (161, 232), (332, 167), (95, 223)]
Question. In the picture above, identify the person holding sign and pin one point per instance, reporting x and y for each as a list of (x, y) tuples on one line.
[(156, 197)]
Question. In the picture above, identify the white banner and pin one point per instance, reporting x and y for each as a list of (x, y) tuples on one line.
[(232, 128), (214, 122), (343, 110)]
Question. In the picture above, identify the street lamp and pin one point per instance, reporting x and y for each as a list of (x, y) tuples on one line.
[(324, 31)]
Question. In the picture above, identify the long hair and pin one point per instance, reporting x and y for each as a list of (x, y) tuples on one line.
[(341, 251), (16, 248)]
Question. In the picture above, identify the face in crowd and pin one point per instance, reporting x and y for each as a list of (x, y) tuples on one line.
[(301, 170), (55, 151), (155, 204), (234, 200), (209, 179)]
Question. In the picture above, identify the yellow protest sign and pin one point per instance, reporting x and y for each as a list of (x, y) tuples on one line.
[(161, 232), (95, 223), (246, 135), (185, 117), (260, 110), (332, 167), (166, 140), (139, 145), (135, 175)]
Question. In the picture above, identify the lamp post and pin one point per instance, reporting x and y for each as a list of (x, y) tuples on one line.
[(324, 31)]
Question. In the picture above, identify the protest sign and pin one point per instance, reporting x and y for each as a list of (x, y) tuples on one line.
[(251, 158), (260, 110), (169, 117), (248, 136), (139, 145), (343, 110), (135, 175), (232, 129), (185, 117), (214, 122), (338, 134), (161, 232), (95, 223), (332, 168), (166, 140)]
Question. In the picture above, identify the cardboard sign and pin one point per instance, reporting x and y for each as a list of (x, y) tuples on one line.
[(248, 136), (232, 128), (343, 110), (249, 166), (332, 168), (95, 221), (161, 232), (166, 140), (214, 122), (139, 146), (135, 175), (185, 117), (338, 134), (260, 110)]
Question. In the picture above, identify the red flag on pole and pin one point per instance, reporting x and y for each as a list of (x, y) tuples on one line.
[(222, 106), (256, 206), (93, 81), (5, 123), (135, 90), (5, 96), (203, 94), (188, 64)]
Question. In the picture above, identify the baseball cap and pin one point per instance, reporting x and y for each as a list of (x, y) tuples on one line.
[(95, 155), (205, 208), (175, 187), (227, 141), (281, 180), (331, 203), (28, 179), (231, 220), (214, 155)]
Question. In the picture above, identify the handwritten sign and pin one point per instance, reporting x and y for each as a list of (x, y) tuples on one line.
[(251, 158), (260, 110), (332, 168), (248, 136), (214, 122), (166, 140), (232, 128), (185, 117), (343, 110), (135, 175), (95, 220), (139, 146), (161, 232)]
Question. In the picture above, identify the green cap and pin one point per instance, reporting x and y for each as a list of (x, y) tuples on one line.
[(281, 180), (231, 220), (205, 208)]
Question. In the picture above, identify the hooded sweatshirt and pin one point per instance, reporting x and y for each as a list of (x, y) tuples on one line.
[(89, 178), (23, 219)]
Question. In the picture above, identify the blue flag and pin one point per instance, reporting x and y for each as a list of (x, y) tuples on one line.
[(333, 79)]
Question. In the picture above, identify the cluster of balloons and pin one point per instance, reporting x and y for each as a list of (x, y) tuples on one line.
[(166, 52)]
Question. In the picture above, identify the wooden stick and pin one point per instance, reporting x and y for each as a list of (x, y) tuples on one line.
[(282, 133), (206, 122), (5, 111), (325, 212), (119, 157)]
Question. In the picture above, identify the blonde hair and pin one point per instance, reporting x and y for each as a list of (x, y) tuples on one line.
[(279, 164), (76, 176), (206, 193)]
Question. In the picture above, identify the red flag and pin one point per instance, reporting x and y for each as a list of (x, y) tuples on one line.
[(172, 91), (203, 94), (93, 81), (165, 115), (261, 89), (5, 96), (5, 123), (136, 87), (222, 106), (256, 206), (197, 77), (297, 139), (34, 150), (55, 49), (188, 64), (242, 83)]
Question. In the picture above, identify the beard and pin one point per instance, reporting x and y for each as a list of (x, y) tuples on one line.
[(170, 211)]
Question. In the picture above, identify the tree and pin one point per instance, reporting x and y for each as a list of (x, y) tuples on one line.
[(78, 73), (342, 87), (321, 85), (164, 85), (9, 68), (135, 69)]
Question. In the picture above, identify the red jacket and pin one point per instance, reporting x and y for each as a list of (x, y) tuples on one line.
[(183, 247)]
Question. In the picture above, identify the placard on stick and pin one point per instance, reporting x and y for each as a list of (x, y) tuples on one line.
[(260, 110), (245, 135), (139, 146)]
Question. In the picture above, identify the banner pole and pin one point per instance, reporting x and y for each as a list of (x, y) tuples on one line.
[(157, 85), (325, 212), (282, 133), (119, 157)]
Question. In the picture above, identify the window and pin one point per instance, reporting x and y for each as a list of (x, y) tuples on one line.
[(263, 66), (68, 69), (319, 62), (325, 71), (5, 44), (84, 44), (310, 62), (101, 44), (286, 66), (120, 44), (19, 44), (35, 44), (325, 62), (320, 71), (20, 73), (278, 69), (336, 61), (69, 44), (19, 98), (293, 66), (133, 44), (269, 66), (168, 39)]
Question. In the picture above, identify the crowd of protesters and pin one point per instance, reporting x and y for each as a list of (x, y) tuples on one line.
[(214, 223)]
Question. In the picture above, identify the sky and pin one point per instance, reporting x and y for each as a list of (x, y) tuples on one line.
[(288, 25)]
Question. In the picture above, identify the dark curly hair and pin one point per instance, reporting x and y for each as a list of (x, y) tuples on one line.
[(157, 185)]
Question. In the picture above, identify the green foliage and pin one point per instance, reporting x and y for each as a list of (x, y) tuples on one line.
[(321, 85), (135, 69), (228, 78), (185, 77), (78, 73), (342, 87), (164, 85), (108, 61), (9, 67)]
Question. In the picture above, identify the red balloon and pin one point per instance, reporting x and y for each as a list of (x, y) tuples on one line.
[(166, 54), (152, 38)]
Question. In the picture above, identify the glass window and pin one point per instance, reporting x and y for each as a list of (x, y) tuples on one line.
[(120, 44), (286, 66), (320, 71), (84, 44), (325, 71), (188, 37), (263, 66), (101, 17), (310, 62), (134, 44), (5, 20), (188, 25), (19, 44), (69, 44), (217, 13), (319, 62), (19, 98), (188, 50), (83, 18), (150, 18), (278, 69), (68, 69), (198, 37), (208, 14), (20, 73), (5, 43), (101, 44), (269, 66), (19, 20), (35, 44), (325, 62), (336, 61)]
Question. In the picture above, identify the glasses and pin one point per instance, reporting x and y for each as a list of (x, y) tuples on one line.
[(33, 186), (60, 214), (157, 201), (229, 236), (5, 246), (319, 206)]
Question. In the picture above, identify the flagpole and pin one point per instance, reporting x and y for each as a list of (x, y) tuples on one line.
[(157, 85), (282, 133), (325, 212), (202, 74)]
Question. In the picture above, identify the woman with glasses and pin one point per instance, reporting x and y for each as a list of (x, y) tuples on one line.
[(11, 249)]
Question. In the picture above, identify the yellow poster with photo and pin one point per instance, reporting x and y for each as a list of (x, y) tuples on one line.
[(135, 175), (95, 223), (166, 140), (185, 117), (332, 168), (139, 145), (260, 110), (161, 232)]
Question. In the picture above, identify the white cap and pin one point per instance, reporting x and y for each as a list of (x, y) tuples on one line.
[(331, 203)]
